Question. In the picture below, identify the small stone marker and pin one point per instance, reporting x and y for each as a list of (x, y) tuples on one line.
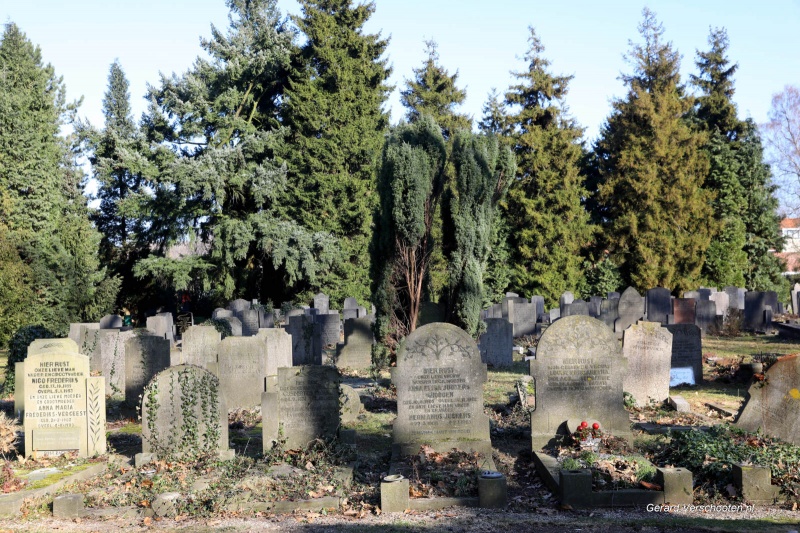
[(183, 414), (145, 356), (630, 309), (659, 304), (302, 406), (648, 348), (65, 407), (496, 343), (356, 351), (200, 345), (773, 405), (242, 371), (687, 350), (350, 404), (439, 379), (578, 373)]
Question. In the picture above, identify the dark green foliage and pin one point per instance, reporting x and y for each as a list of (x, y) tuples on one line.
[(16, 294), (649, 173), (483, 171), (409, 187), (333, 109), (43, 208), (217, 183), (600, 278), (495, 115), (715, 108), (18, 350), (433, 92), (548, 226)]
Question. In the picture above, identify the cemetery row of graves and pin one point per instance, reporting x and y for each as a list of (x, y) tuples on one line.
[(590, 404)]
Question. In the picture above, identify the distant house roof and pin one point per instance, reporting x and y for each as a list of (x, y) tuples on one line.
[(790, 223)]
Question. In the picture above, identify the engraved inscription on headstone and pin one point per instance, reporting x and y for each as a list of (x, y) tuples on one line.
[(199, 345), (242, 371), (686, 349), (648, 348), (773, 405)]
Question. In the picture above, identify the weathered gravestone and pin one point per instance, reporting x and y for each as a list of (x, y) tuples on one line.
[(577, 307), (306, 342), (350, 303), (111, 322), (497, 343), (330, 328), (235, 324), (694, 295), (648, 348), (773, 405), (64, 407), (302, 406), (755, 303), (686, 353), (555, 314), (238, 305), (735, 297), (321, 303), (659, 304), (184, 415), (76, 331), (706, 316), (145, 356), (52, 345), (594, 306), (538, 301), (565, 299), (242, 371), (703, 294), (609, 312), (349, 404), (109, 360), (356, 351), (220, 313), (161, 325), (578, 373), (613, 295), (279, 349), (795, 301), (522, 316), (199, 345), (684, 310), (722, 302), (266, 319), (439, 379), (630, 309), (249, 319)]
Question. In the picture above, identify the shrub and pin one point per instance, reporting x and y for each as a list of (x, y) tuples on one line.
[(18, 350)]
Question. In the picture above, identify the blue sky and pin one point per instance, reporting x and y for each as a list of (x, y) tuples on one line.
[(482, 40)]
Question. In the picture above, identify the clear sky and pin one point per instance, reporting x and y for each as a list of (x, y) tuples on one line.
[(483, 40)]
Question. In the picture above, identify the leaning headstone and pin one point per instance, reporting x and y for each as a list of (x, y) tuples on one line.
[(772, 406), (199, 346), (330, 328), (321, 302), (145, 356), (236, 325), (249, 319), (684, 310), (301, 406), (522, 316), (306, 343), (111, 322), (578, 373), (242, 371), (65, 407), (659, 304), (439, 379), (356, 351), (648, 348), (497, 343), (183, 414), (630, 309), (686, 354), (706, 316), (279, 349)]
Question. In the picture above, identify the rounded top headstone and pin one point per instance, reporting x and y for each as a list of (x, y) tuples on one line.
[(588, 335), (440, 341)]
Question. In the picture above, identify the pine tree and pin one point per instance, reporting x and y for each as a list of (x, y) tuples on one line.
[(410, 185), (215, 133), (333, 109), (657, 219), (483, 171), (433, 92), (495, 115), (43, 210), (548, 225), (715, 108)]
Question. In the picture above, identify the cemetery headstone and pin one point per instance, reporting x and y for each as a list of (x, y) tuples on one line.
[(330, 328), (220, 313), (704, 294), (577, 307), (648, 348), (302, 406), (706, 316), (539, 302), (609, 312), (522, 316), (111, 322), (238, 305), (242, 371), (795, 302), (249, 319), (594, 306), (755, 303), (75, 330), (52, 345), (565, 299), (578, 373), (773, 405), (497, 343), (161, 325), (735, 297), (350, 303), (64, 407), (350, 404), (630, 309), (265, 319), (236, 325), (686, 351), (722, 302), (659, 304), (348, 314), (306, 343), (279, 349), (200, 345), (321, 302), (439, 379), (110, 360), (183, 414), (145, 356), (684, 310), (694, 295), (555, 314), (356, 351), (613, 295)]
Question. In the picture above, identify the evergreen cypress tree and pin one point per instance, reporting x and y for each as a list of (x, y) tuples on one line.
[(548, 225), (483, 172), (657, 218), (333, 109)]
